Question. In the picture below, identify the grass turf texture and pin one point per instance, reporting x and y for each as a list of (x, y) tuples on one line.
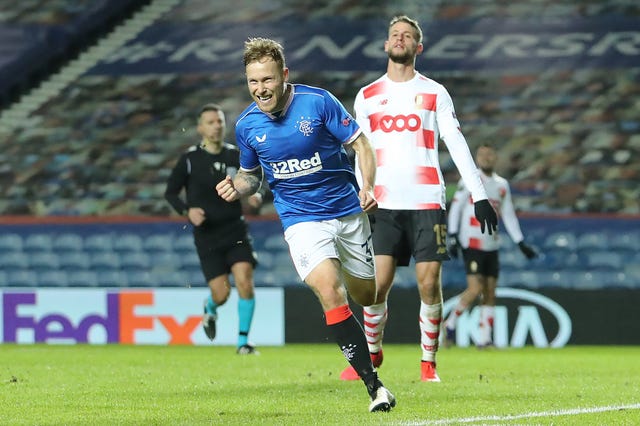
[(299, 385)]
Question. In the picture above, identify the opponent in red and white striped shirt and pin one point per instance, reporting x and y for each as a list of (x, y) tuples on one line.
[(479, 250), (404, 114)]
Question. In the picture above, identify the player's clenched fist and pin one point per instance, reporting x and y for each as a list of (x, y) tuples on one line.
[(226, 190)]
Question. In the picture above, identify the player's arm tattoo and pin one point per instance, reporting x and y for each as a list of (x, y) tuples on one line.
[(248, 182)]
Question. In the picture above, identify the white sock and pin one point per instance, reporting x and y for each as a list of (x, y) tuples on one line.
[(486, 324), (375, 318), (430, 319), (454, 315)]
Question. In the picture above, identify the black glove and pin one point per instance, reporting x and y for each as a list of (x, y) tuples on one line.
[(529, 252), (454, 245), (486, 215)]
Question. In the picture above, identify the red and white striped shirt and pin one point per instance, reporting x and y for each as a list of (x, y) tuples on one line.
[(404, 121), (462, 220)]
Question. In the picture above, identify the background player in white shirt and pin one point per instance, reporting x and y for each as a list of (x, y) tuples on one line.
[(296, 134), (479, 250), (405, 114)]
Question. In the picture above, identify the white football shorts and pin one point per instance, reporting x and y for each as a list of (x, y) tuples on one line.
[(347, 239)]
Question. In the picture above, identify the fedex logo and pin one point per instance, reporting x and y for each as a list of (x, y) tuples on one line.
[(119, 321)]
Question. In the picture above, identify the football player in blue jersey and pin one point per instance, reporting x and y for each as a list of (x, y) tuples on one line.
[(296, 136)]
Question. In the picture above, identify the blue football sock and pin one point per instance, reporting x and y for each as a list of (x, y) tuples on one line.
[(211, 306), (245, 316)]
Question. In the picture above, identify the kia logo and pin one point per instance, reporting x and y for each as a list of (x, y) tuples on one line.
[(527, 323), (399, 123)]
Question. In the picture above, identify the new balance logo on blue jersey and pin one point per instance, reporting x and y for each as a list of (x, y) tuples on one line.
[(294, 167)]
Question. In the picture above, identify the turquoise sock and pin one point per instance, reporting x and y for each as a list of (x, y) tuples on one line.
[(245, 316), (211, 306)]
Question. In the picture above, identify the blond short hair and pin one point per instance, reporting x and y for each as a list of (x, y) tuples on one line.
[(257, 48)]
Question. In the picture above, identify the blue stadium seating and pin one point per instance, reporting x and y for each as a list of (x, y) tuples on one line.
[(135, 261), (38, 242), (53, 279), (10, 242), (128, 243), (13, 260), (112, 278), (74, 260), (105, 261), (183, 243), (159, 243), (22, 278), (98, 242), (67, 242), (43, 261), (82, 279)]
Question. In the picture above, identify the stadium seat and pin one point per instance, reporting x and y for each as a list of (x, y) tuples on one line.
[(105, 261), (134, 260), (37, 242), (74, 261), (189, 260), (82, 279), (98, 242), (42, 261), (592, 240), (127, 243), (602, 259), (558, 278), (4, 279), (10, 242), (282, 259), (14, 260), (592, 280), (523, 278), (53, 279), (513, 258), (67, 242), (22, 278), (172, 279), (141, 279), (276, 242), (184, 243), (196, 279), (625, 241), (159, 243), (561, 241), (165, 261), (112, 279), (265, 259)]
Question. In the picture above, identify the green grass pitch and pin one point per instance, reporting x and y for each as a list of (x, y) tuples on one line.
[(299, 385)]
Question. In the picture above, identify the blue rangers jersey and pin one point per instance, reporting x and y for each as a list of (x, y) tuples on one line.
[(302, 154)]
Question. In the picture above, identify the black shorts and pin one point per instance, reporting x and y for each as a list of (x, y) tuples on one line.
[(219, 249), (406, 233), (481, 262)]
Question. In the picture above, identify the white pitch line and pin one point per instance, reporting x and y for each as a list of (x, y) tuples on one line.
[(568, 412)]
